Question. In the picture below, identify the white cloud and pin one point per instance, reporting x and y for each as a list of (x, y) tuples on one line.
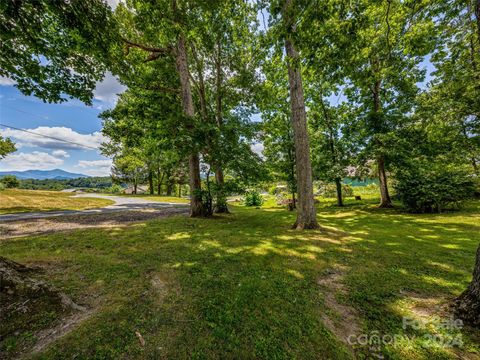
[(30, 161), (108, 89), (258, 148), (61, 154), (95, 167), (4, 81), (113, 3), (75, 139)]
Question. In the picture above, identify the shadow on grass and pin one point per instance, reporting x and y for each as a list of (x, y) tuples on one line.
[(245, 285)]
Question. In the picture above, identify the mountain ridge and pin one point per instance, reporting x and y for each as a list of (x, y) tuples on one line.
[(56, 174)]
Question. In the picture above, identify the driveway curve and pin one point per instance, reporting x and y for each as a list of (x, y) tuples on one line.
[(121, 204)]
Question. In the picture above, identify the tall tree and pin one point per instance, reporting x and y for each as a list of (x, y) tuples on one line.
[(286, 16)]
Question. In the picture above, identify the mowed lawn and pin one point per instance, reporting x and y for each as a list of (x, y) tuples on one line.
[(16, 200), (245, 286)]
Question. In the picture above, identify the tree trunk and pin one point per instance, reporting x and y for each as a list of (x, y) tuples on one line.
[(150, 181), (385, 201), (179, 190), (159, 182), (306, 212), (135, 188), (338, 185), (196, 205), (169, 187), (467, 305), (477, 15), (221, 200)]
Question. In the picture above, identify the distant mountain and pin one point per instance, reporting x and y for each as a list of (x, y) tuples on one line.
[(56, 174)]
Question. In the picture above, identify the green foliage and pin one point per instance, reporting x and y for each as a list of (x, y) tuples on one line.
[(329, 190), (6, 147), (54, 48), (253, 198), (10, 181), (432, 187), (115, 189), (96, 182)]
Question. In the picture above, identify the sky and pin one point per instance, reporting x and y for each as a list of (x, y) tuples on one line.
[(72, 121)]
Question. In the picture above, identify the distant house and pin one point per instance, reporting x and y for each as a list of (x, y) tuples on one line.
[(140, 190)]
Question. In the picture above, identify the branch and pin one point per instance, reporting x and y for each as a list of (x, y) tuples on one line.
[(164, 50), (162, 88)]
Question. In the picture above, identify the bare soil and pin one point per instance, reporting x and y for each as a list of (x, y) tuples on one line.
[(18, 228), (342, 320)]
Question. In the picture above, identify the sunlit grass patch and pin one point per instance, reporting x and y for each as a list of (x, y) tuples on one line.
[(16, 200)]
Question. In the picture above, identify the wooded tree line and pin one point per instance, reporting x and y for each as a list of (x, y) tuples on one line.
[(337, 83)]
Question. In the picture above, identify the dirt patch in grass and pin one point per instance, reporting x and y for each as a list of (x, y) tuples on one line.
[(31, 308), (342, 320), (12, 229)]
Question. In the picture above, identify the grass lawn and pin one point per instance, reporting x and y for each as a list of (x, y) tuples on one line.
[(246, 286), (16, 200)]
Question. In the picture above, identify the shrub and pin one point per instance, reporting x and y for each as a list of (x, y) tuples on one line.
[(115, 189), (427, 188), (329, 190), (10, 181), (253, 198)]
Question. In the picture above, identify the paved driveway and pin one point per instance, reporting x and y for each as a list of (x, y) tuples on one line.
[(121, 204)]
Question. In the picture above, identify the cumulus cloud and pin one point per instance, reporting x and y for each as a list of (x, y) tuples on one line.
[(113, 3), (30, 161), (54, 137), (4, 81), (108, 89), (258, 148), (95, 167), (61, 154)]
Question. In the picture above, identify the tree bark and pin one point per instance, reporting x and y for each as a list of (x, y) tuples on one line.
[(385, 201), (477, 15), (221, 201), (150, 181), (159, 182), (196, 205), (306, 212), (338, 185), (467, 305)]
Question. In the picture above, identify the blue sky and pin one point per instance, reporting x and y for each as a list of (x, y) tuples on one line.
[(72, 121)]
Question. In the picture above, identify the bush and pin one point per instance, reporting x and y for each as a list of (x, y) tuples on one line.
[(428, 188), (10, 181), (329, 190), (253, 198), (115, 189)]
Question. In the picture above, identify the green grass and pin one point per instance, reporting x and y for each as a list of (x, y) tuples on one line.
[(16, 200), (245, 286), (160, 198)]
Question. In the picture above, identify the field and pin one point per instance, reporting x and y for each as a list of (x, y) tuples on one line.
[(15, 201), (246, 286)]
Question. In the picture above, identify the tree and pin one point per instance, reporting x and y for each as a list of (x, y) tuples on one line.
[(54, 48), (128, 168), (285, 18), (10, 181), (277, 131), (329, 148), (6, 147)]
